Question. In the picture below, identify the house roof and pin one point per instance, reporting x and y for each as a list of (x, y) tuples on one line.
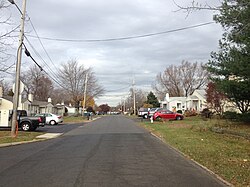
[(37, 103), (192, 97), (182, 99), (201, 93), (9, 98)]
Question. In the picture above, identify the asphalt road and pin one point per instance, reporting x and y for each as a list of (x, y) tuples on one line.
[(111, 151)]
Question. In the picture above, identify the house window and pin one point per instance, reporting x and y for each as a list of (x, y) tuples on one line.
[(178, 105)]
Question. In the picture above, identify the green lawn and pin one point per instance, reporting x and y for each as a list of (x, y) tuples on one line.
[(5, 136), (226, 155)]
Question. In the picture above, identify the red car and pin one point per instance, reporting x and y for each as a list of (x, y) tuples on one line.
[(167, 114)]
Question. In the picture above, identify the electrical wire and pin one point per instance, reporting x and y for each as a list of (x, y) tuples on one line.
[(45, 64), (32, 25), (29, 55), (118, 89), (123, 38)]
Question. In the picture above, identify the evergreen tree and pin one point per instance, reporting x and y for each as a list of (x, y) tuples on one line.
[(230, 66), (152, 99)]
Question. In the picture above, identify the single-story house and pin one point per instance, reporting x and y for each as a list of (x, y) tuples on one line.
[(196, 101)]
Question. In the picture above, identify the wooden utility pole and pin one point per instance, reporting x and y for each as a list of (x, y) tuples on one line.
[(134, 96), (18, 69), (85, 92)]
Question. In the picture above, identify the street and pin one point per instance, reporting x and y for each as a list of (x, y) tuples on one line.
[(111, 151)]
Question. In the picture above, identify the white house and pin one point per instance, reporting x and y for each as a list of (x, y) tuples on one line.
[(196, 101), (173, 103)]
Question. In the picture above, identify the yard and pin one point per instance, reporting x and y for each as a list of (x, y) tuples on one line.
[(210, 143)]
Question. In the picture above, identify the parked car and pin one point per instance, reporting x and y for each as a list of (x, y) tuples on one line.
[(152, 111), (51, 119), (28, 123), (167, 114), (143, 112)]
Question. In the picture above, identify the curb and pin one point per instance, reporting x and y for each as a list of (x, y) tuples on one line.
[(19, 143), (42, 137), (198, 164)]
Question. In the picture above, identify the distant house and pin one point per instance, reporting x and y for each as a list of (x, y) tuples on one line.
[(174, 103), (196, 101), (70, 110), (32, 106)]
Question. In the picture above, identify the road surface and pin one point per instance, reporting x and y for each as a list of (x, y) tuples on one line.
[(111, 151)]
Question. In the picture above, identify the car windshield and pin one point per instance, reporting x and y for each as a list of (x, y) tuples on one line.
[(143, 109)]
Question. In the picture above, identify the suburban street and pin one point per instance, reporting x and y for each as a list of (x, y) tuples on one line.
[(110, 151)]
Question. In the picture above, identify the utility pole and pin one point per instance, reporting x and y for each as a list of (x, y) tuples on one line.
[(125, 105), (18, 69), (134, 95), (85, 91)]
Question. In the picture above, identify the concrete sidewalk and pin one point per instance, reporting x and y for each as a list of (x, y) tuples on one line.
[(49, 135)]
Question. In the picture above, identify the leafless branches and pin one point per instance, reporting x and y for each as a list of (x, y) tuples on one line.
[(181, 80), (37, 83), (6, 38), (195, 6), (73, 76)]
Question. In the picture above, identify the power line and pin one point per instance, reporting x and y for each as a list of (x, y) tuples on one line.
[(29, 55), (51, 71), (124, 38), (32, 25)]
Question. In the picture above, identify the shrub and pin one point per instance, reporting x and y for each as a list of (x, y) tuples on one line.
[(206, 113), (230, 115), (189, 113), (244, 117), (233, 116)]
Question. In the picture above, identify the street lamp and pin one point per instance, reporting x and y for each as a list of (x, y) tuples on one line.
[(18, 68)]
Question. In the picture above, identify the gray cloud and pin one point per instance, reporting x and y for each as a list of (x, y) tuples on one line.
[(116, 63)]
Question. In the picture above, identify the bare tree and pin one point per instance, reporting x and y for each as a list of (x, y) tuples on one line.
[(181, 80), (37, 83), (6, 86), (6, 38), (59, 95), (196, 6), (73, 76), (140, 99)]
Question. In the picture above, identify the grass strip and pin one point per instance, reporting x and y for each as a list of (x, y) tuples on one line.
[(226, 155)]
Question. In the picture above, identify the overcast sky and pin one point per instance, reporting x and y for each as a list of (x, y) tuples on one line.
[(117, 63)]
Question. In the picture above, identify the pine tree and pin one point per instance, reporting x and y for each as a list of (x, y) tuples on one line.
[(152, 99), (230, 66)]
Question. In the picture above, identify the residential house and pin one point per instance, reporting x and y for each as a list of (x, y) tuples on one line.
[(32, 106), (196, 101)]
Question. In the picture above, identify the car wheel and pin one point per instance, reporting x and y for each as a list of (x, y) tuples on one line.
[(145, 116), (158, 118), (178, 118), (52, 122), (25, 126)]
